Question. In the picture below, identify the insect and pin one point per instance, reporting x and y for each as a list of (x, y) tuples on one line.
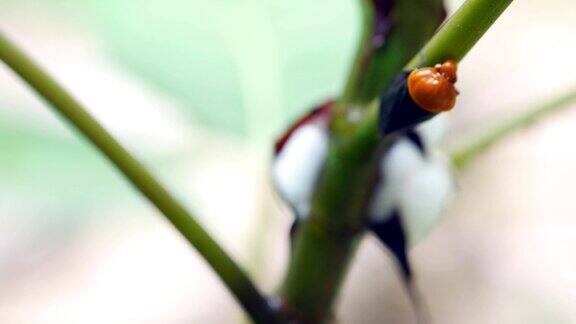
[(416, 96), (432, 88)]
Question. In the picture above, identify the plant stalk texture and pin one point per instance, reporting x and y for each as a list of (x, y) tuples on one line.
[(327, 239)]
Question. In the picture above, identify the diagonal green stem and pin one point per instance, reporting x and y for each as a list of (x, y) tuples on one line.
[(465, 152), (230, 273), (460, 32)]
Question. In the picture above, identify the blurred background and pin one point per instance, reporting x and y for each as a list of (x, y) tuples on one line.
[(199, 90)]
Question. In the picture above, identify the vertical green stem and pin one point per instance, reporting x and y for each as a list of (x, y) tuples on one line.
[(326, 241), (358, 68), (392, 33), (309, 295), (230, 273)]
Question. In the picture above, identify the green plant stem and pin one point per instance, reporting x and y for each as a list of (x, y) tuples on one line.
[(327, 240), (412, 23), (392, 33), (230, 273), (359, 65), (462, 154), (460, 32)]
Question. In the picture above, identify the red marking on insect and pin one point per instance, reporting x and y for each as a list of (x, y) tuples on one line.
[(432, 88), (319, 112)]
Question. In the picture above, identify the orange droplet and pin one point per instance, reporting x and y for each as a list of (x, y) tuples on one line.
[(432, 88)]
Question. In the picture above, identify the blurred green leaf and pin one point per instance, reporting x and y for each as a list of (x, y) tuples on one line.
[(241, 66)]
